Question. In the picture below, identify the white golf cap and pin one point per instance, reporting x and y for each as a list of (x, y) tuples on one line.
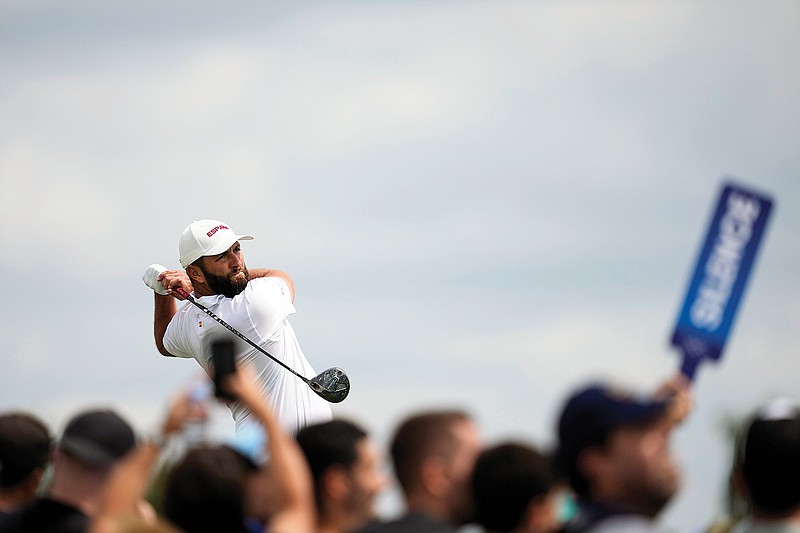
[(206, 237)]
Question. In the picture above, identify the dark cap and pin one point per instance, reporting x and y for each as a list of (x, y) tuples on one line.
[(593, 412), (97, 437), (771, 457), (24, 446)]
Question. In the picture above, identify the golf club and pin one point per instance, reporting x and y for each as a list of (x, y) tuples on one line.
[(332, 385)]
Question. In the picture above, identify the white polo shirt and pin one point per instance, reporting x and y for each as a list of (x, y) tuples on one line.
[(260, 313)]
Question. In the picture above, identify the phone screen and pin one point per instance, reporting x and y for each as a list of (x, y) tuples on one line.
[(222, 359)]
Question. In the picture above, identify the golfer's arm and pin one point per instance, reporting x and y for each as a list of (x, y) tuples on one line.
[(273, 273), (165, 309)]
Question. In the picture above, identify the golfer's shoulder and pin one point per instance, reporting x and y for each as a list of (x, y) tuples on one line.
[(271, 285), (268, 298)]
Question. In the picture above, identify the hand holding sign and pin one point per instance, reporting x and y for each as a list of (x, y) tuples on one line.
[(720, 275)]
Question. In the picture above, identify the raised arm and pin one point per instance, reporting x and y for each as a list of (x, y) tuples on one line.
[(165, 309), (165, 282), (296, 512), (164, 285)]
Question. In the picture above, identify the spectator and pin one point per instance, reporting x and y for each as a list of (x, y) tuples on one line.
[(769, 469), (345, 466), (515, 490), (24, 452), (92, 444), (433, 454), (205, 491), (121, 510), (210, 489), (614, 448)]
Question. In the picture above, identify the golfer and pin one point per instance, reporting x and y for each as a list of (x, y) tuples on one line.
[(256, 302)]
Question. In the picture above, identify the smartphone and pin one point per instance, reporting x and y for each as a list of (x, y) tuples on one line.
[(224, 364)]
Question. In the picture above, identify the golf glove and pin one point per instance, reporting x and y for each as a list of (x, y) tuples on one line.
[(150, 278)]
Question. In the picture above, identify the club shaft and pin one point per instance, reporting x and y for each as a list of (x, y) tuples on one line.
[(233, 330)]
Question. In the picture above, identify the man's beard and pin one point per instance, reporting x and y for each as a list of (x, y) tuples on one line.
[(224, 285)]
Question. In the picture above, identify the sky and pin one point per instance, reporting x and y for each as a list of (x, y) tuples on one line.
[(482, 204)]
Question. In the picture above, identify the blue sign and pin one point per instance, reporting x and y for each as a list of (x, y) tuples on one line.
[(720, 275)]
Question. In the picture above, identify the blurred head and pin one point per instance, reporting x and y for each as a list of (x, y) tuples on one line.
[(770, 463), (433, 454), (614, 447), (25, 444), (345, 465), (205, 492), (97, 438), (514, 489)]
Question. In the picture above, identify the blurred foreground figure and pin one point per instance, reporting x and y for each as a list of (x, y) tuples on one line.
[(215, 489), (614, 449), (515, 490), (769, 469), (345, 465), (433, 454), (24, 453), (91, 446)]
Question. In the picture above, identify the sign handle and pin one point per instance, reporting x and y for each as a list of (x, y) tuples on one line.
[(689, 365)]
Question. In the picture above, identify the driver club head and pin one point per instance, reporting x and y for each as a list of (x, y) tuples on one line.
[(332, 385)]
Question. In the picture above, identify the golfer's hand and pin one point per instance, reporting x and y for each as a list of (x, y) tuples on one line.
[(175, 279), (150, 278)]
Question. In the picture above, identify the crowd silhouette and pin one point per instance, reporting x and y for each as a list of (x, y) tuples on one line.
[(611, 471)]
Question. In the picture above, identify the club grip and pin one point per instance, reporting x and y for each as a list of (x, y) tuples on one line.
[(180, 291)]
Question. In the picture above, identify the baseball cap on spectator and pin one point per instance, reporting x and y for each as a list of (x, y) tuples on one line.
[(206, 237), (593, 412), (97, 437), (771, 457), (24, 446)]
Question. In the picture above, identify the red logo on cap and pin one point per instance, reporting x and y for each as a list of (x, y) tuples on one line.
[(213, 231)]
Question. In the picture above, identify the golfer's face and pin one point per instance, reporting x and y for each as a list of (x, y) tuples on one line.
[(229, 264), (226, 273)]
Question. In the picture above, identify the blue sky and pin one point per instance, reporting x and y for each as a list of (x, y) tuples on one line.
[(482, 204)]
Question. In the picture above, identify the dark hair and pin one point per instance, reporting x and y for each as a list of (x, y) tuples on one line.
[(204, 492), (327, 444), (25, 444), (420, 437), (771, 464), (505, 480)]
